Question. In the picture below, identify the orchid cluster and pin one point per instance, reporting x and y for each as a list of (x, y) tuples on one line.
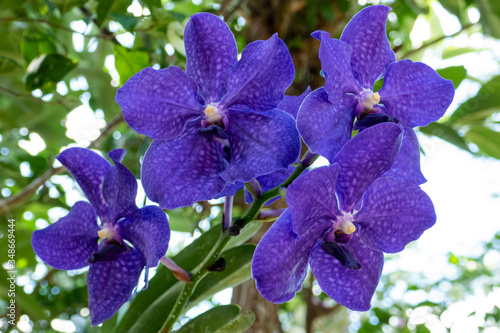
[(225, 121)]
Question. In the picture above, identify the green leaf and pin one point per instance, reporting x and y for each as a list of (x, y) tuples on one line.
[(127, 21), (163, 281), (128, 63), (453, 51), (66, 5), (479, 107), (7, 65), (221, 319), (239, 324), (490, 16), (487, 140), (46, 70), (238, 270), (103, 8), (452, 6), (36, 43), (454, 73), (182, 219), (153, 3), (452, 259), (447, 133), (245, 234)]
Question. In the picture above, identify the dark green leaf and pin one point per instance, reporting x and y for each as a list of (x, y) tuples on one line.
[(238, 270), (452, 6), (445, 132), (127, 21), (7, 65), (239, 324), (46, 70), (487, 140), (225, 318), (103, 8), (153, 3), (454, 73), (481, 106), (66, 5)]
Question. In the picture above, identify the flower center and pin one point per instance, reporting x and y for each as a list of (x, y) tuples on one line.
[(106, 234), (344, 224), (369, 99), (213, 114)]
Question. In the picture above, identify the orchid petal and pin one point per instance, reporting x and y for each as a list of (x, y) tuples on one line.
[(149, 234), (279, 263), (351, 288), (68, 243), (325, 127), (335, 57), (407, 163), (110, 284), (371, 50), (291, 104), (262, 75), (119, 189), (260, 143), (365, 158), (210, 51), (311, 200), (394, 213), (89, 170), (415, 94), (159, 103), (179, 172)]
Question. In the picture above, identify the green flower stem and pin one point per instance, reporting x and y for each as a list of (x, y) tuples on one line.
[(250, 215)]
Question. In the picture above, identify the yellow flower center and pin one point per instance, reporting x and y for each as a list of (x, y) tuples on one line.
[(370, 99), (345, 225), (213, 114), (105, 234)]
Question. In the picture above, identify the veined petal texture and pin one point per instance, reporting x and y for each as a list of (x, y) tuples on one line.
[(415, 94), (68, 243), (110, 284), (210, 51), (371, 50), (89, 169), (262, 75), (394, 213), (365, 158), (159, 103), (177, 173)]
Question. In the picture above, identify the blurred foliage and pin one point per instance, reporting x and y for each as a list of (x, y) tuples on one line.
[(61, 58)]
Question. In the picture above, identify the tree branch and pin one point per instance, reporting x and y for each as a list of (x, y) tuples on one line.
[(29, 96), (104, 30), (435, 41), (15, 200)]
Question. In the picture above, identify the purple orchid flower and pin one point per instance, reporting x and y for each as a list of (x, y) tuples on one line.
[(216, 123), (291, 105), (72, 242), (413, 94), (340, 220)]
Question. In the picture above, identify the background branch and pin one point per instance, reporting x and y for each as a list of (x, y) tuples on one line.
[(15, 200), (435, 41)]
